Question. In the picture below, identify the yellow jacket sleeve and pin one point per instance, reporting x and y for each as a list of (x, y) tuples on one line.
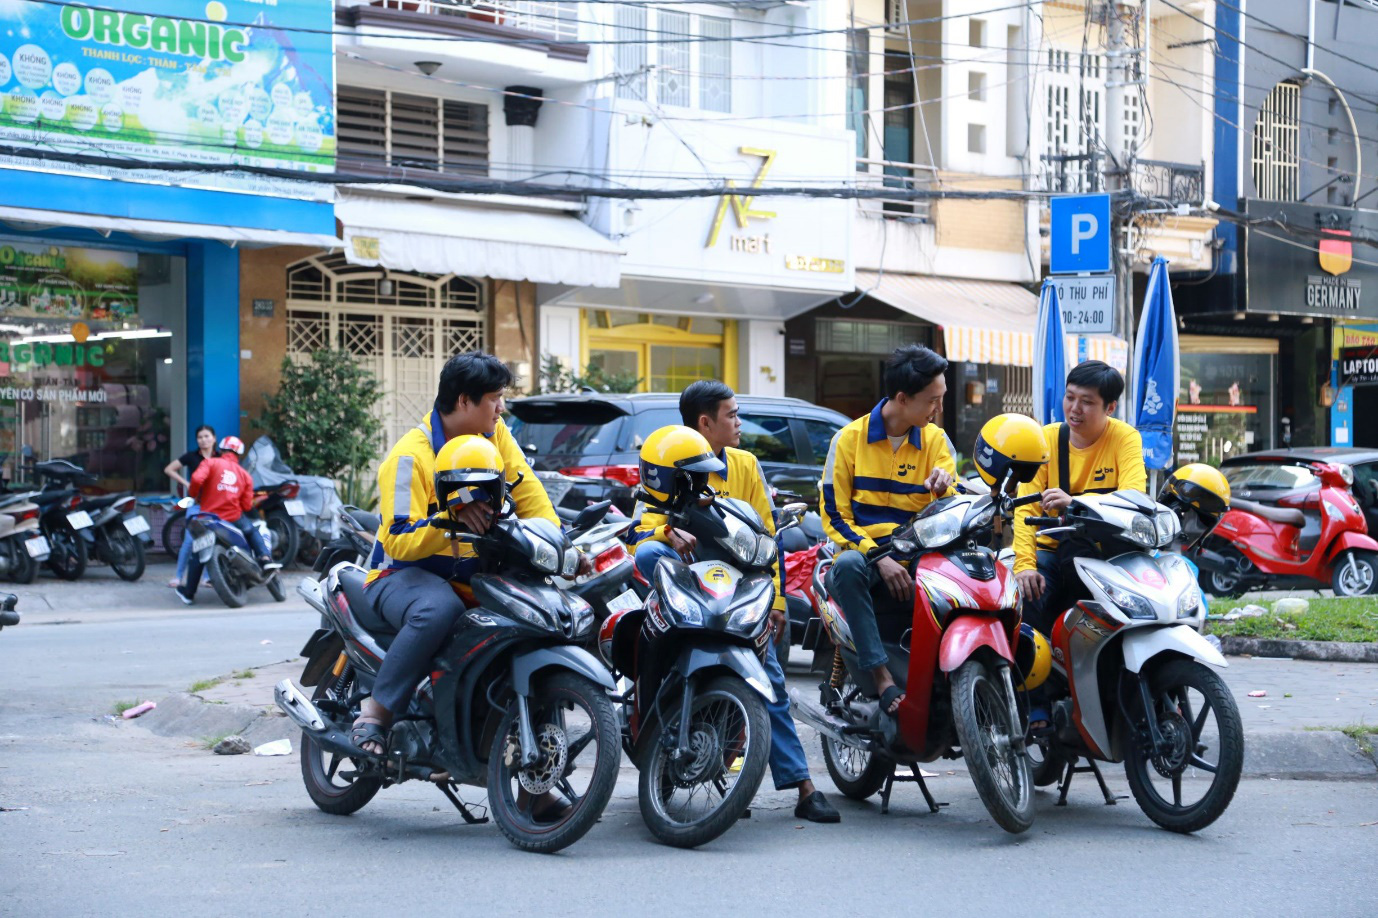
[(529, 494), (651, 526), (1025, 537), (758, 495), (405, 499), (835, 493), (1129, 459), (942, 457)]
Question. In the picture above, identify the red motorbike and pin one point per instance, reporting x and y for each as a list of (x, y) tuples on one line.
[(1304, 538), (954, 658)]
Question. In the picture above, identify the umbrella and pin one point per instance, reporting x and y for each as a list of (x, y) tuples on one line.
[(1156, 366), (1050, 358)]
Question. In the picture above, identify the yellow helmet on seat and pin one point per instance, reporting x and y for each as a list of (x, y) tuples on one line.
[(469, 469), (1012, 443), (675, 464), (1201, 487)]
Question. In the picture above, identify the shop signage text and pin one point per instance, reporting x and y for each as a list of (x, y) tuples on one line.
[(68, 283), (1332, 294), (1359, 366), (51, 394), (1309, 276), (741, 208), (1088, 304), (814, 263), (156, 33), (44, 353)]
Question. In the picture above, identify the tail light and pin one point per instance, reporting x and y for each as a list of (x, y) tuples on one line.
[(609, 558), (629, 475), (26, 515), (126, 505), (75, 502), (291, 490)]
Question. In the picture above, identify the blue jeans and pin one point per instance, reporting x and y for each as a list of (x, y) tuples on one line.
[(862, 594), (184, 553), (648, 554)]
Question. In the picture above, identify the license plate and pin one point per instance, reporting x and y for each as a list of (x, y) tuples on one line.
[(628, 600), (294, 507), (135, 525), (203, 543), (79, 520), (37, 547)]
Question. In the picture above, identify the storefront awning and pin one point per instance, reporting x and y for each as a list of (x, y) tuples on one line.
[(440, 237), (29, 219), (982, 321)]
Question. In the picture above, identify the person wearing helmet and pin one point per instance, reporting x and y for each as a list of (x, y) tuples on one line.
[(882, 469), (676, 464), (222, 487), (463, 447)]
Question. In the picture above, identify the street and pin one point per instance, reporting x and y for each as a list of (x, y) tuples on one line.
[(112, 819)]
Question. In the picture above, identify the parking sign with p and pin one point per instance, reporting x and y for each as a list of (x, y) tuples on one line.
[(1079, 234)]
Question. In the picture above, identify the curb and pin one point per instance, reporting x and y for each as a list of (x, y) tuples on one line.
[(191, 716), (1326, 651)]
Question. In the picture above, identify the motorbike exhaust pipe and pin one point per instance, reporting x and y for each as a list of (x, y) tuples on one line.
[(828, 725), (296, 705)]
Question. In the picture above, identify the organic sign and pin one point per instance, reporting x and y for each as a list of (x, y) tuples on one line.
[(67, 283), (221, 83)]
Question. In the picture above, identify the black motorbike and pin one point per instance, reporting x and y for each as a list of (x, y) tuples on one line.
[(357, 531), (112, 531), (512, 703), (229, 559), (8, 614)]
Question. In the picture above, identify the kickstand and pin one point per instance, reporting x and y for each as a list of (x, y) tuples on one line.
[(1094, 769), (917, 778), (464, 810)]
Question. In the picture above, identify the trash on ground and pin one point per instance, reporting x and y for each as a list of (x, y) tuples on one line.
[(1213, 641), (265, 641), (138, 709), (1259, 693), (232, 745), (276, 747), (1249, 611), (1290, 605)]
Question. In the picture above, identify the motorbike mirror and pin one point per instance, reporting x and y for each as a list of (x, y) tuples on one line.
[(8, 601), (185, 503), (9, 617)]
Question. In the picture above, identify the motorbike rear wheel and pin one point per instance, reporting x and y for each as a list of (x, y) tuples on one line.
[(562, 704), (1172, 686), (126, 554), (23, 567), (174, 530), (1360, 579), (232, 591), (857, 773), (728, 723), (1048, 764), (986, 729), (284, 530), (69, 555), (335, 792)]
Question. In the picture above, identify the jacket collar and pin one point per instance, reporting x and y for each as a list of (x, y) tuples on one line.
[(727, 467), (875, 431)]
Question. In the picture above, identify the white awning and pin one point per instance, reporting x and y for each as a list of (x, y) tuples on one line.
[(982, 321), (442, 237), (26, 218)]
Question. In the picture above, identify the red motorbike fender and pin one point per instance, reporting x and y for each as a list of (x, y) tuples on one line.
[(1352, 540), (969, 633)]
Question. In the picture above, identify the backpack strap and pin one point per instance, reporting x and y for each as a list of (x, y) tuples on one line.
[(1064, 443)]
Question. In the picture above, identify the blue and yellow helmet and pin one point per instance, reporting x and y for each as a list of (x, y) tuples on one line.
[(1011, 443), (675, 464)]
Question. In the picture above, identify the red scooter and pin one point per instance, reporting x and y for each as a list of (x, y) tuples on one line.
[(1314, 536)]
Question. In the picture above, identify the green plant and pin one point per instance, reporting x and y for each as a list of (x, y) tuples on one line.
[(210, 742), (360, 489), (121, 706), (556, 377), (1350, 619), (204, 684), (322, 415), (245, 674)]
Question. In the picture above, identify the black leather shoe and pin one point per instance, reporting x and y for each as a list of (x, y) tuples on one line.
[(816, 808)]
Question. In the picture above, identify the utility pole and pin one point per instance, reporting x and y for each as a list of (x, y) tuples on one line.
[(1121, 85)]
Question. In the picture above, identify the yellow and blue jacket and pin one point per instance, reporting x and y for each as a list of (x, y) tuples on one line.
[(869, 489), (406, 501), (743, 480)]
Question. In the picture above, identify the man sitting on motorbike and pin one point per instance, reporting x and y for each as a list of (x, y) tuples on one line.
[(223, 488), (1092, 453), (413, 564), (710, 407), (882, 469)]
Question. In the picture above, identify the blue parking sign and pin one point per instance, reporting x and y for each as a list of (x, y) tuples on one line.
[(1079, 234)]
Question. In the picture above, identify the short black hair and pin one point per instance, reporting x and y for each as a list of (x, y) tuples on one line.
[(911, 368), (1098, 375), (703, 397), (474, 374)]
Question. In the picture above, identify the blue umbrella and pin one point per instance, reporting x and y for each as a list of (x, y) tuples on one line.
[(1156, 368), (1050, 358)]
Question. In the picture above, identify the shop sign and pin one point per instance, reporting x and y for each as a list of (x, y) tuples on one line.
[(1315, 274), (68, 283), (1359, 366), (46, 354), (228, 82), (1088, 304)]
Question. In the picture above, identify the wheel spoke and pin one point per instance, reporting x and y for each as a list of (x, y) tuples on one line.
[(578, 746), (1198, 762), (568, 790), (1200, 722), (335, 759)]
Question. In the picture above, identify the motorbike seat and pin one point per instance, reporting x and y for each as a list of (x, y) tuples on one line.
[(361, 604), (46, 499), (100, 503), (1284, 515), (368, 522)]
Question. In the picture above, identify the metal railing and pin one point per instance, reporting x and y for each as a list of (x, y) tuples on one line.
[(886, 174), (554, 19), (1176, 183)]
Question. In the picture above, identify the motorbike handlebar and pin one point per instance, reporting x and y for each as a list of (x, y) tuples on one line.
[(1043, 520), (1026, 500)]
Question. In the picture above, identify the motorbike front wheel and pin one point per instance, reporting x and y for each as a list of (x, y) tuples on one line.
[(575, 728), (126, 553), (1358, 578), (232, 590), (691, 801), (1186, 694), (174, 530), (69, 555), (987, 731)]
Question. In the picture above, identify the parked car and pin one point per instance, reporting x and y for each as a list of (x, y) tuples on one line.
[(1271, 474), (595, 438)]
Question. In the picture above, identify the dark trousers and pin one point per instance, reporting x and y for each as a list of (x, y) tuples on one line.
[(862, 594), (191, 574), (1058, 594), (423, 608)]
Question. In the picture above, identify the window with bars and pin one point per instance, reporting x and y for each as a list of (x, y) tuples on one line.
[(657, 62), (715, 65), (672, 58), (378, 128), (629, 26), (1277, 151)]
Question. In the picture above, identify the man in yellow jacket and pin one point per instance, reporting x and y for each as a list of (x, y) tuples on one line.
[(710, 407), (412, 565), (882, 469)]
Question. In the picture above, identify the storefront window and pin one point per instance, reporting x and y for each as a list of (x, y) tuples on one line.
[(1225, 406), (673, 368), (664, 353), (88, 371)]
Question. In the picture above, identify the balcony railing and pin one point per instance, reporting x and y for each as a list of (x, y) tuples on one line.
[(887, 174), (553, 19), (1073, 173), (1176, 183)]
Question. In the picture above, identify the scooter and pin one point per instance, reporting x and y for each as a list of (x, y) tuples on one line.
[(608, 586), (1315, 537), (229, 561), (954, 660), (1128, 681), (22, 546), (278, 506), (116, 532)]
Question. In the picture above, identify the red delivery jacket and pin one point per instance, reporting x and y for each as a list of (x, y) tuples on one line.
[(221, 487)]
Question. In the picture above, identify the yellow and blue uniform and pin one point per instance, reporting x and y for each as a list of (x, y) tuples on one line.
[(742, 479), (869, 488), (406, 492)]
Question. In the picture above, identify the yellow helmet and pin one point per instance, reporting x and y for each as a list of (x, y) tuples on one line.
[(1201, 487), (1010, 443), (675, 464), (469, 469), (1034, 657)]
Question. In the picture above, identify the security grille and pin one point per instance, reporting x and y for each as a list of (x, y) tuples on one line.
[(1277, 154), (402, 327), (379, 130)]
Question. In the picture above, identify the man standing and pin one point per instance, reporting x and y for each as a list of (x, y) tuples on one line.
[(882, 469), (710, 407)]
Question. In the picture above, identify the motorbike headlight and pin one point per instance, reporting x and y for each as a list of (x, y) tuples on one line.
[(1347, 473), (741, 545), (983, 519), (529, 615), (1167, 526), (1128, 602), (544, 557), (1189, 601), (765, 551), (685, 607), (581, 613), (938, 530), (749, 614), (1142, 530)]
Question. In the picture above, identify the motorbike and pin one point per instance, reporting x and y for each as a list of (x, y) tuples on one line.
[(357, 532), (512, 703), (8, 614), (694, 720), (280, 509), (229, 561), (1128, 681), (800, 547), (1315, 536), (954, 659), (112, 531), (61, 522), (608, 586), (22, 546)]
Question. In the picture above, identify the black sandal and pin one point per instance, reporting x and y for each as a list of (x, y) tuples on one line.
[(888, 698), (553, 813), (369, 731)]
